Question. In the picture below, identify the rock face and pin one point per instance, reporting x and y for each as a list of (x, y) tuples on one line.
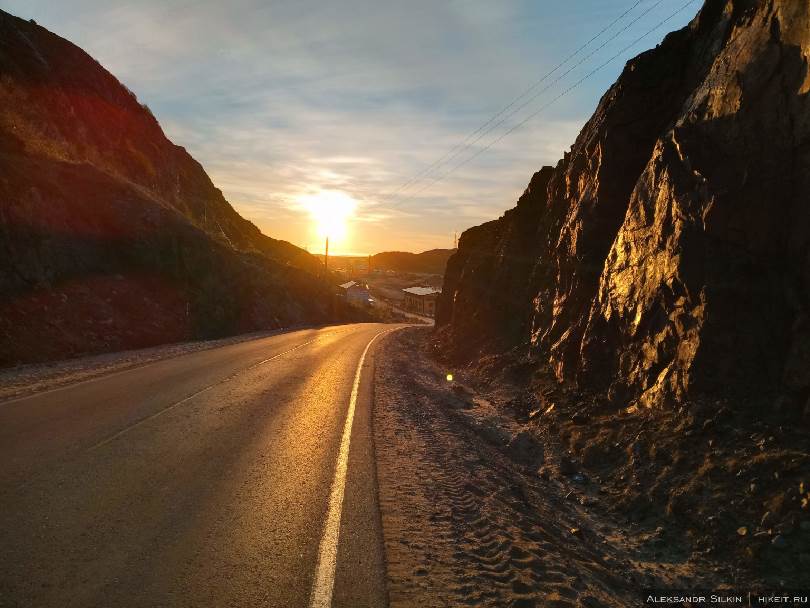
[(111, 236), (666, 254)]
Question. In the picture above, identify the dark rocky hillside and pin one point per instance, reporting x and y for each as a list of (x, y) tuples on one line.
[(643, 311), (113, 237), (432, 261), (667, 254)]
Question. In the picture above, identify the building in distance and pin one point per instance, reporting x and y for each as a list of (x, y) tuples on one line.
[(421, 300), (355, 293)]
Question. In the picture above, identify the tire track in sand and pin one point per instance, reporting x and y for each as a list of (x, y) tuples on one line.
[(462, 524)]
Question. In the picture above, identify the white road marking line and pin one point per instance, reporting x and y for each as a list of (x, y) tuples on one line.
[(324, 583), (192, 395)]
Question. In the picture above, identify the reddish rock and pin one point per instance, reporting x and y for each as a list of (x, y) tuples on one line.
[(111, 236)]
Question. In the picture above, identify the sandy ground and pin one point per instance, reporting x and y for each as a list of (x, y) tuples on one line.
[(469, 517), (28, 379)]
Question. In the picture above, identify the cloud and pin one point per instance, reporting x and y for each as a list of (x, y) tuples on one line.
[(277, 99)]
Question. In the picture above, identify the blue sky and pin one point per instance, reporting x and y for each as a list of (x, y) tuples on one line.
[(281, 100)]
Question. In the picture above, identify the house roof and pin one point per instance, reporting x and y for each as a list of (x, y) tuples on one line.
[(421, 291), (351, 284)]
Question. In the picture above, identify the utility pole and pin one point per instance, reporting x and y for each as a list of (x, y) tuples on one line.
[(455, 240), (369, 264), (326, 256)]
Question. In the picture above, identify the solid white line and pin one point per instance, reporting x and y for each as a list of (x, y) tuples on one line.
[(104, 442), (327, 553)]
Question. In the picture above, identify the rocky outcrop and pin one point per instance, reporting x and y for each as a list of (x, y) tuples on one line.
[(111, 236), (667, 252), (487, 292)]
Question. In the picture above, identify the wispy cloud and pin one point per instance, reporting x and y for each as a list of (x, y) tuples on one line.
[(278, 99)]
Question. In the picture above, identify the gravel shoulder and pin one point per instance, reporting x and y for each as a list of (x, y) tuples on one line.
[(472, 515)]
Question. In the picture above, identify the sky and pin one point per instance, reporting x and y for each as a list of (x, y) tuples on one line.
[(364, 112)]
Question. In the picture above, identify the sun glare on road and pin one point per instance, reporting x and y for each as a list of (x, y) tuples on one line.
[(331, 211)]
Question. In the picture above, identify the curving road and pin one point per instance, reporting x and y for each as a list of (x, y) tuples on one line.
[(201, 480)]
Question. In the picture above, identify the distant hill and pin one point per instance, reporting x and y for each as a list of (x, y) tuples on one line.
[(112, 236), (427, 262)]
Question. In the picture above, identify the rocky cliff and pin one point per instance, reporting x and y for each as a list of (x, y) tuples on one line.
[(113, 237), (666, 255)]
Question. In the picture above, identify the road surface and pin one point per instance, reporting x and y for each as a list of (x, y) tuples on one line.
[(208, 479)]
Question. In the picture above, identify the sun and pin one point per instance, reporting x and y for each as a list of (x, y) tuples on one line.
[(331, 211)]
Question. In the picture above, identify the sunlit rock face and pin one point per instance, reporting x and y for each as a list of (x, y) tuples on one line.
[(111, 236), (669, 250)]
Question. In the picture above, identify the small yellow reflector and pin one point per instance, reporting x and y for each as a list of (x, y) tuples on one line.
[(449, 377)]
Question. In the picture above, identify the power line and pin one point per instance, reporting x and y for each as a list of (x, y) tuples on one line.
[(558, 79), (450, 155), (543, 107), (553, 82)]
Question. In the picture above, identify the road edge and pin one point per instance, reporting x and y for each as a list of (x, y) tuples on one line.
[(360, 568)]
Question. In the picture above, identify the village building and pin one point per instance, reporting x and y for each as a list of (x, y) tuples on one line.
[(421, 300), (355, 293)]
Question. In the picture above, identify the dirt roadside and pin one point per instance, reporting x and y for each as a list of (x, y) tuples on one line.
[(477, 511)]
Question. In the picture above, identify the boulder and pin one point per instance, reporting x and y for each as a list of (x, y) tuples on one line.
[(526, 449)]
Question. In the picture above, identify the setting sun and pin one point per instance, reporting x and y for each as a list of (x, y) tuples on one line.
[(330, 211)]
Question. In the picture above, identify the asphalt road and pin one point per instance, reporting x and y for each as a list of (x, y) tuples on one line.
[(201, 480)]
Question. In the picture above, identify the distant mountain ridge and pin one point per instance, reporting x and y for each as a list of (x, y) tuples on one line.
[(432, 261), (113, 236)]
